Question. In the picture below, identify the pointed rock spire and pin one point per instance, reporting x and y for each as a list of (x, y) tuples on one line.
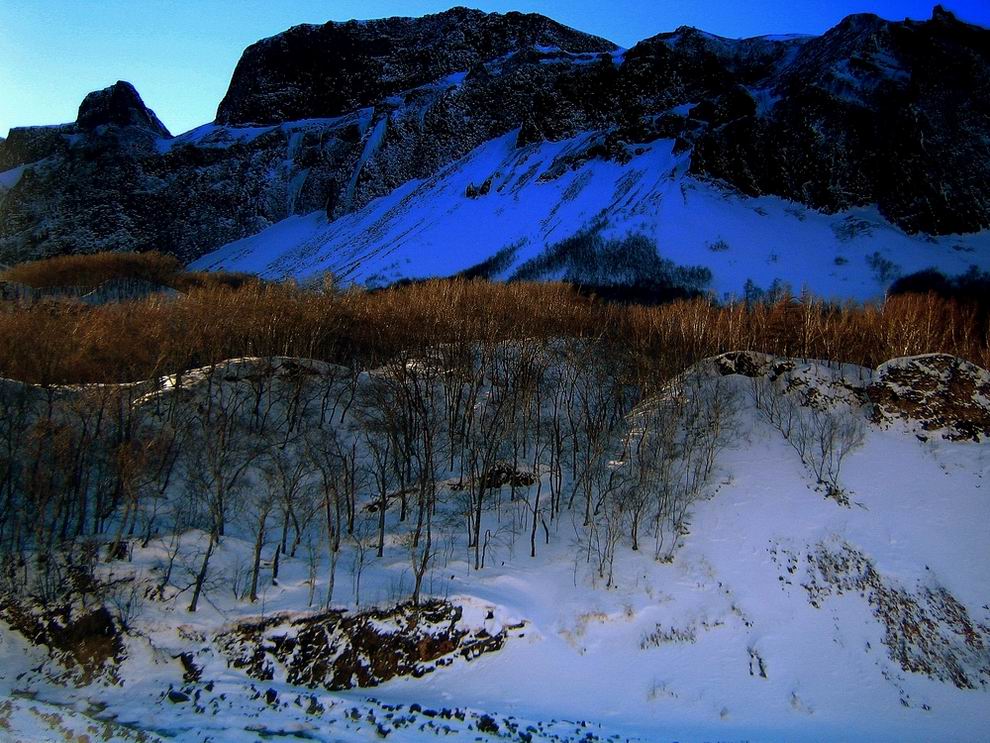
[(118, 105)]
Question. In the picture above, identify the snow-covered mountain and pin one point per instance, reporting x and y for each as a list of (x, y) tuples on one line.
[(802, 597), (505, 211), (356, 146)]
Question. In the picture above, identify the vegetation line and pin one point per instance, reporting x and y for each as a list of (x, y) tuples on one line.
[(221, 316)]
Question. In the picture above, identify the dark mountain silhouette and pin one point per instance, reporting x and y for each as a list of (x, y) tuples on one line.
[(329, 117)]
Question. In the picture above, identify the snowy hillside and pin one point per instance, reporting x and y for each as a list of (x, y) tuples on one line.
[(386, 127), (505, 205), (819, 587)]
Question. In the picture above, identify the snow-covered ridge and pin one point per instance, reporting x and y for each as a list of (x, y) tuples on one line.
[(781, 615), (532, 197)]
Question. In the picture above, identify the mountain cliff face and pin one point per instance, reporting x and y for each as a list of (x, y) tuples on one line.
[(119, 106), (331, 117), (318, 71), (872, 112)]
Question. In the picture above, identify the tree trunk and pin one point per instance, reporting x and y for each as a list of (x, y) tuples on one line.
[(201, 576), (258, 544)]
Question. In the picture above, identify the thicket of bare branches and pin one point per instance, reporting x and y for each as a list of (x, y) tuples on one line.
[(475, 443), (93, 269), (51, 343), (823, 436), (450, 420)]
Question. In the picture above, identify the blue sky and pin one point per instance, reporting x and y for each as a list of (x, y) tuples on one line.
[(180, 53)]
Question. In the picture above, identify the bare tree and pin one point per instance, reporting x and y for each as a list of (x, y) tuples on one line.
[(380, 449), (220, 453), (821, 431), (284, 472), (322, 453)]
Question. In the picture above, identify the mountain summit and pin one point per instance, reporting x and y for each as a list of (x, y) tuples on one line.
[(325, 119), (119, 105), (321, 71)]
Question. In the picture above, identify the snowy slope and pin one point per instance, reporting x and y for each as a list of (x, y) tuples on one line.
[(771, 622), (532, 197), (828, 676)]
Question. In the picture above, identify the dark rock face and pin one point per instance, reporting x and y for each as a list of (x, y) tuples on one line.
[(28, 144), (333, 116), (323, 71), (337, 650), (872, 112), (83, 646), (122, 189), (118, 105)]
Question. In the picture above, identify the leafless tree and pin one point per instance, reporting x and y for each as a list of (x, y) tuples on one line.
[(821, 431), (220, 453)]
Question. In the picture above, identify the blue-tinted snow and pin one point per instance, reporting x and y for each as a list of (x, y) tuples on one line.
[(432, 228)]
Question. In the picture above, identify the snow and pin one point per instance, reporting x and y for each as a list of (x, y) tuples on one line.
[(727, 566), (671, 651), (220, 136), (822, 682), (371, 144), (249, 254), (785, 37), (214, 135), (683, 109), (556, 55), (432, 227), (10, 178), (765, 99), (453, 80), (448, 82)]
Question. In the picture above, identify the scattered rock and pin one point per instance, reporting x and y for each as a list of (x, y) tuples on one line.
[(927, 631), (938, 391), (177, 697), (338, 650)]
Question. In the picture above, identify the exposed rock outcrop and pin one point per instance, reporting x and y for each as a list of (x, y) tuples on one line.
[(333, 116), (336, 650), (934, 392), (314, 71), (119, 105)]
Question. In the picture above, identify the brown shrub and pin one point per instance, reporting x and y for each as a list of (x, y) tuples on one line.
[(49, 342), (92, 270), (89, 271)]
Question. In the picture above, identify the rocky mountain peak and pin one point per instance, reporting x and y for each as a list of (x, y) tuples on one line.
[(330, 117), (314, 71), (942, 15), (118, 105)]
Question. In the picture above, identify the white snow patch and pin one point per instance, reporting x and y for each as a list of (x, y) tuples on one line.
[(10, 178), (431, 227)]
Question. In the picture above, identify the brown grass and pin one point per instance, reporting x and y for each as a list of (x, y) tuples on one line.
[(54, 343), (93, 270), (89, 271)]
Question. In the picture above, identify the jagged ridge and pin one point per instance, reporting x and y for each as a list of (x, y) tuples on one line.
[(872, 112)]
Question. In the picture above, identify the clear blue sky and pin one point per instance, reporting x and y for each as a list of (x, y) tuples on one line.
[(180, 53)]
